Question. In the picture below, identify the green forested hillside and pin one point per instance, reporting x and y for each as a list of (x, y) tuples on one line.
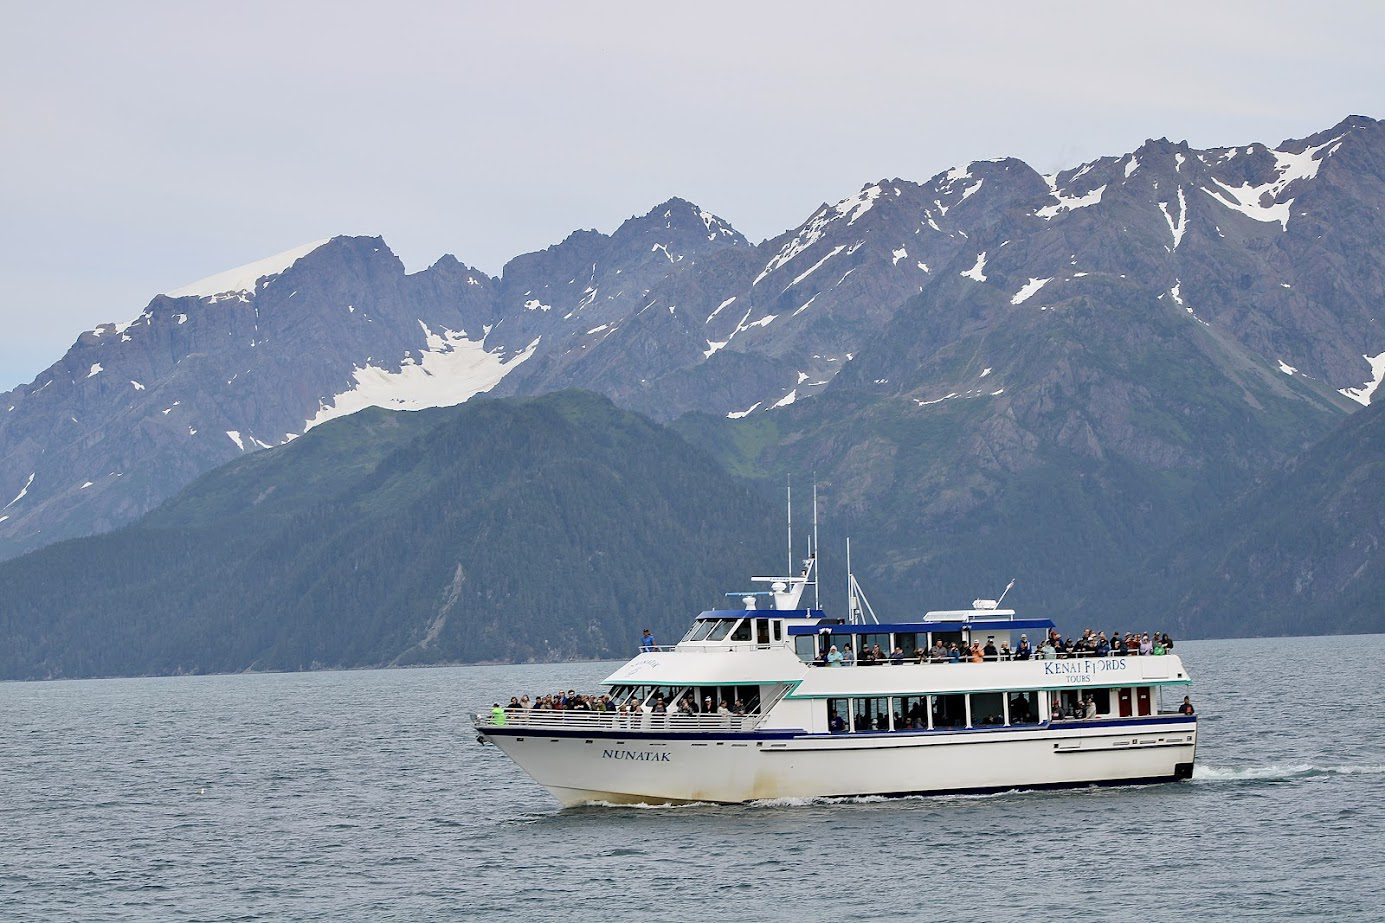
[(1300, 554), (502, 529)]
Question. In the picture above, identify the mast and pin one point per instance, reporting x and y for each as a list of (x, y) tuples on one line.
[(850, 585), (817, 559), (788, 490)]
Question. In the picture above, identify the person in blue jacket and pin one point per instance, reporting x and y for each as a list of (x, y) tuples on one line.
[(647, 641)]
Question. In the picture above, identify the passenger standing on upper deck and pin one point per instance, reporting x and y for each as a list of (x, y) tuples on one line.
[(897, 655), (1187, 707), (646, 641), (977, 655), (937, 653), (1024, 651), (1146, 646), (989, 651), (848, 656), (954, 654), (834, 657), (1117, 645)]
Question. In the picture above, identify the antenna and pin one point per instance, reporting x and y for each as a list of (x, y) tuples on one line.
[(857, 606), (1008, 587), (788, 490), (850, 585), (817, 554)]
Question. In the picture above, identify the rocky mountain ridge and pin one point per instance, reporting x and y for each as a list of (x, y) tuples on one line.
[(1261, 252)]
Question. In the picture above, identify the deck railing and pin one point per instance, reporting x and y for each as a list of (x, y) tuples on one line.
[(562, 719)]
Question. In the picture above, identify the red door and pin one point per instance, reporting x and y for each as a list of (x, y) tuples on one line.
[(1125, 703), (1143, 693)]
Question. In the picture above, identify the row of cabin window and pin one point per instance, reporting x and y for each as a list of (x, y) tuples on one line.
[(978, 709), (758, 630), (910, 642)]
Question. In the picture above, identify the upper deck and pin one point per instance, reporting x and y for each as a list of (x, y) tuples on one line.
[(753, 647)]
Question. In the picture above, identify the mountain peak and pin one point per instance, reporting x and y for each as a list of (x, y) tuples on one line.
[(245, 278), (678, 214)]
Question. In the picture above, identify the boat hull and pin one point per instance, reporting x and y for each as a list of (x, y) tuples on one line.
[(584, 767)]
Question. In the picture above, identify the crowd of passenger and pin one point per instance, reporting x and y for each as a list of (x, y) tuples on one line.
[(574, 701), (1053, 646)]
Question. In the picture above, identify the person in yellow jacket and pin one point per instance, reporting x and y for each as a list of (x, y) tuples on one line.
[(497, 715)]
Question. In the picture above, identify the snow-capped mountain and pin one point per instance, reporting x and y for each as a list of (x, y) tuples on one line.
[(1272, 252)]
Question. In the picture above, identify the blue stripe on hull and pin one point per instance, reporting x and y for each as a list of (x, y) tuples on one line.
[(800, 734)]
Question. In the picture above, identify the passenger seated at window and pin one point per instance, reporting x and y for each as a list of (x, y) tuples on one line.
[(1089, 708), (1019, 710), (836, 723)]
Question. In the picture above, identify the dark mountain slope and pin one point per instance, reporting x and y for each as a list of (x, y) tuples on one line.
[(1301, 554), (1054, 445), (504, 529)]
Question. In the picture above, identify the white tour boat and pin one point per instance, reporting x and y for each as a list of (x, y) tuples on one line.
[(758, 703)]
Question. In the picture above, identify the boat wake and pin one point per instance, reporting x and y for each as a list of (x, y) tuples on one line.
[(1286, 773)]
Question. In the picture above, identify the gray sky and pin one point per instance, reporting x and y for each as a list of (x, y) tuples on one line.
[(144, 145)]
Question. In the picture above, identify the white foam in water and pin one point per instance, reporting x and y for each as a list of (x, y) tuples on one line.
[(1206, 773)]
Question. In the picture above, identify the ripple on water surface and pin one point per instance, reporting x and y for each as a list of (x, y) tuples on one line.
[(363, 795)]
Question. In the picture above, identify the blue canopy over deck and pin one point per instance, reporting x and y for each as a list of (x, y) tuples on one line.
[(973, 625)]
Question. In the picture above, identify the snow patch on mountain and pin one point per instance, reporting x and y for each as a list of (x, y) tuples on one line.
[(23, 492), (1027, 290), (814, 268), (1176, 228), (1068, 202), (787, 399), (1250, 200), (977, 273), (450, 370), (245, 278), (850, 208), (1362, 395)]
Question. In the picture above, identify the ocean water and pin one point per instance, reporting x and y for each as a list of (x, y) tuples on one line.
[(364, 796)]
